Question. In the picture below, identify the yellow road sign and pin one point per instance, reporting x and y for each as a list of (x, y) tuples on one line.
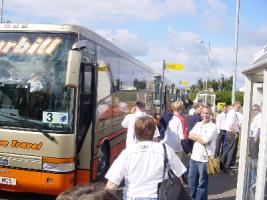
[(103, 68), (173, 66), (184, 82)]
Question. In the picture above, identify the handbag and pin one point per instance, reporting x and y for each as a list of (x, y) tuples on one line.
[(213, 165), (171, 188)]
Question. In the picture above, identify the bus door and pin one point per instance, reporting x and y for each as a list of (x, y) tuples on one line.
[(87, 101)]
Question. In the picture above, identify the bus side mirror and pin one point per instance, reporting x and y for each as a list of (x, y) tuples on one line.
[(73, 69)]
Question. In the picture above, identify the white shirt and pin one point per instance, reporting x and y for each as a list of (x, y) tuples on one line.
[(142, 167), (191, 111), (35, 85), (255, 127), (129, 122), (221, 122), (233, 121), (174, 134), (208, 134), (240, 118)]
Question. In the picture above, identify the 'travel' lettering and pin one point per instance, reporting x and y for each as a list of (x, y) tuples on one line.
[(41, 46), (26, 145)]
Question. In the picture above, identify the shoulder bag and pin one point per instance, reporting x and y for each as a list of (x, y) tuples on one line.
[(213, 165), (171, 188)]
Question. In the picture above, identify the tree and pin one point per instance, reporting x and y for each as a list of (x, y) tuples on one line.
[(222, 88)]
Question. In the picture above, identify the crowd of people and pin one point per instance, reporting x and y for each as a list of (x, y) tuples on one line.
[(189, 142)]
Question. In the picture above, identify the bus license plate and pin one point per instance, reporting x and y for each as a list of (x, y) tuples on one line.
[(7, 181)]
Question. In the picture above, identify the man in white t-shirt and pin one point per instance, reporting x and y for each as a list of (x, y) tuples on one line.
[(35, 83), (255, 131), (129, 122), (174, 131), (203, 133), (232, 133), (221, 130)]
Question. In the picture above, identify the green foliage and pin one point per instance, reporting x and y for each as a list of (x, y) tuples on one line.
[(226, 96), (239, 96), (222, 88), (222, 84), (192, 96)]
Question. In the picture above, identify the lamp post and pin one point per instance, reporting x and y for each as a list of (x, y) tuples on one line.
[(2, 10), (208, 43)]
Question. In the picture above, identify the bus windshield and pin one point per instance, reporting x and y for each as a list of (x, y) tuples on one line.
[(32, 77)]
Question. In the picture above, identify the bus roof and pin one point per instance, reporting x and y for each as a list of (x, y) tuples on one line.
[(61, 28)]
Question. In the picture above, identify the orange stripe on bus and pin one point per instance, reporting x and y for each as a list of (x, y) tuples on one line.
[(112, 135), (57, 160), (37, 182)]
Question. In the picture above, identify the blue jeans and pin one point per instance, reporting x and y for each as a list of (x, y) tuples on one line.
[(198, 180)]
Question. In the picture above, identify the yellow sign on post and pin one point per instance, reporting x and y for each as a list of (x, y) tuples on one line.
[(172, 66), (184, 82), (103, 68)]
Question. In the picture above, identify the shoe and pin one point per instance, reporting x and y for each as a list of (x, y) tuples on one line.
[(185, 180)]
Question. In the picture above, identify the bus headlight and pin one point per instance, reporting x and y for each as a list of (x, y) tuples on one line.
[(58, 165)]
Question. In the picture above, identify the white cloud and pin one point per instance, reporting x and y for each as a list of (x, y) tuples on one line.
[(213, 15), (253, 37), (194, 58), (178, 6), (91, 10), (129, 42)]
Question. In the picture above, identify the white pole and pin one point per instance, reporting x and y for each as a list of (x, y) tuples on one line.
[(2, 10), (236, 49), (207, 71)]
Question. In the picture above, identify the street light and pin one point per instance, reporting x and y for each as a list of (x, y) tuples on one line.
[(2, 10), (208, 43)]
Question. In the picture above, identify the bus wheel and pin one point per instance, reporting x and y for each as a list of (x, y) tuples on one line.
[(103, 161)]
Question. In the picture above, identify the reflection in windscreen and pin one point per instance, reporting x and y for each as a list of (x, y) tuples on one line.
[(32, 76)]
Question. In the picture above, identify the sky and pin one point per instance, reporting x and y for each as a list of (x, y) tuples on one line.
[(157, 30)]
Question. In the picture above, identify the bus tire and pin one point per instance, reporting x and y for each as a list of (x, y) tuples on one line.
[(103, 160)]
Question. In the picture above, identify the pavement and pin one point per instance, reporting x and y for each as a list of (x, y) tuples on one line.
[(223, 185)]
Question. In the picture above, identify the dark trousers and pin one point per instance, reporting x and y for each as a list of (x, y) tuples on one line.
[(219, 143), (229, 155), (253, 148)]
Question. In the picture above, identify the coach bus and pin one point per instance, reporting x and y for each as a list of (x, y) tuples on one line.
[(64, 91)]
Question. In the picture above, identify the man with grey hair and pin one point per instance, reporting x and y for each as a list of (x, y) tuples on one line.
[(255, 131), (232, 134)]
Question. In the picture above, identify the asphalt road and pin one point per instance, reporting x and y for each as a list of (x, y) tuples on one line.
[(23, 196)]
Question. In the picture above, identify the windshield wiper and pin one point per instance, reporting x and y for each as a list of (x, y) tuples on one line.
[(25, 120)]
